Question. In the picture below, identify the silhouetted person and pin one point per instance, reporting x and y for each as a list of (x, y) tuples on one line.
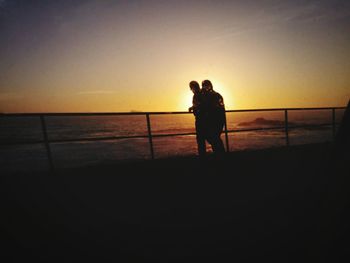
[(335, 214), (342, 140), (196, 104), (213, 115)]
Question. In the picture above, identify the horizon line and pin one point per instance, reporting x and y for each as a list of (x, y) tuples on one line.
[(133, 112)]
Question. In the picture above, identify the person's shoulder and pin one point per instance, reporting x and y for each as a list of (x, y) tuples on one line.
[(216, 94), (197, 96)]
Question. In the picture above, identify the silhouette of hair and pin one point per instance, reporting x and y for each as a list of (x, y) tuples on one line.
[(194, 85), (207, 85)]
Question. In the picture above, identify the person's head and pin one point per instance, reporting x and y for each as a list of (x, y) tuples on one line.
[(194, 86), (206, 85)]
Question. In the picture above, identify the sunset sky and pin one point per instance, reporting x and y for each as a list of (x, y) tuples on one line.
[(85, 55)]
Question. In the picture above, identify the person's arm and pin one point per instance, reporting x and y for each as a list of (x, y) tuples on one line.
[(218, 101), (195, 104), (221, 102)]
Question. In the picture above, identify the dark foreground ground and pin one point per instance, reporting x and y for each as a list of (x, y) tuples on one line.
[(280, 205)]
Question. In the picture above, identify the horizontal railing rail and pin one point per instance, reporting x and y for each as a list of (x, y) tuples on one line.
[(33, 114), (47, 141)]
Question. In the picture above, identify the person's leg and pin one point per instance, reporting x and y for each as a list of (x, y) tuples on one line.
[(211, 140), (200, 137), (201, 145), (217, 144), (220, 145)]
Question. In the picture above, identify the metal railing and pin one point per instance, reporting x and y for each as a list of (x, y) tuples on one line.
[(47, 141)]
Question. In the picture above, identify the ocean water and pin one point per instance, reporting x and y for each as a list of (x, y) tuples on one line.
[(72, 154)]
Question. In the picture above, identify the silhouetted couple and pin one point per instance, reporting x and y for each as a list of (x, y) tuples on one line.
[(209, 111)]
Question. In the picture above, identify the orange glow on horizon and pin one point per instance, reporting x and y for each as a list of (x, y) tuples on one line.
[(120, 56)]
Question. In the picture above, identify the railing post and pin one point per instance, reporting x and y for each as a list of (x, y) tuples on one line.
[(150, 135), (333, 123), (286, 126), (46, 142), (226, 135)]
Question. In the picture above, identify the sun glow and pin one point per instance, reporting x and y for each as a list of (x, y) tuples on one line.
[(225, 93), (186, 98)]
